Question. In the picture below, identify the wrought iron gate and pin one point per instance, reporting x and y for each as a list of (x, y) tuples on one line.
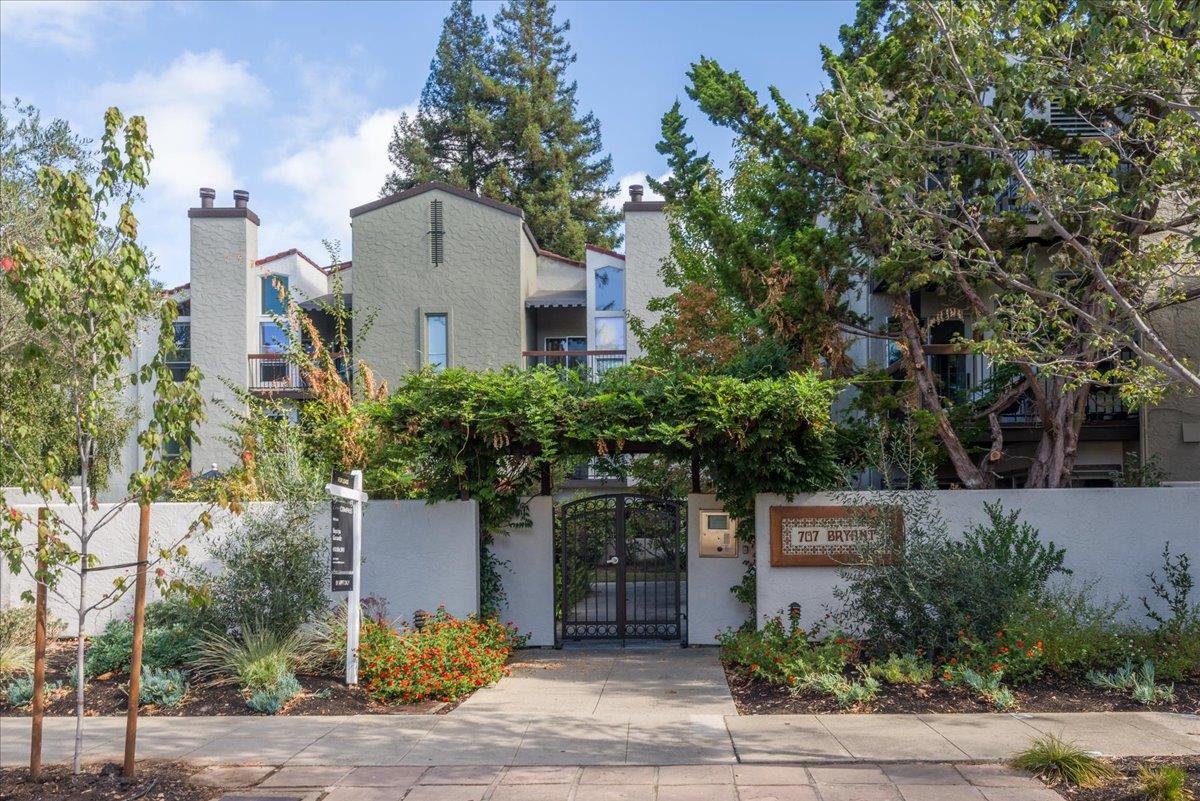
[(621, 563)]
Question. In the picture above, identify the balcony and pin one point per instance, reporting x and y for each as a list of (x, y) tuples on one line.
[(590, 363), (272, 375)]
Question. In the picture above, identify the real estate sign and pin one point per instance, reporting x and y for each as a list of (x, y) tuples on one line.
[(341, 537)]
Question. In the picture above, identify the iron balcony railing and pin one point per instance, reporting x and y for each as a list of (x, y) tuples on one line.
[(963, 376), (272, 373), (591, 363)]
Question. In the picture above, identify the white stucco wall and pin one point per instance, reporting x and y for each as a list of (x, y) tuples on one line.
[(528, 575), (647, 245), (1113, 537), (556, 275), (415, 555), (711, 607)]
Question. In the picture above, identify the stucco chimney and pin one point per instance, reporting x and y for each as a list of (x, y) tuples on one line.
[(240, 198), (207, 196), (635, 193)]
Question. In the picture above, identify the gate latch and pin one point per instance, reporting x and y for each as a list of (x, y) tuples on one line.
[(612, 560)]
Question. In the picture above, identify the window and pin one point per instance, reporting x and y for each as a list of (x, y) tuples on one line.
[(566, 344), (185, 307), (437, 340), (274, 294), (181, 359), (610, 333), (274, 338), (172, 451), (610, 289)]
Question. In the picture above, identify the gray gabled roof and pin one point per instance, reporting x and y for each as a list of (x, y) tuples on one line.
[(421, 189)]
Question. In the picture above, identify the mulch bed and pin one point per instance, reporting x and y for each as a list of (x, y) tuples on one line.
[(321, 695), (1049, 694), (164, 781), (1127, 787)]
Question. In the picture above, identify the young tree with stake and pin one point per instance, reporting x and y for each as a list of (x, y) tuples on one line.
[(89, 291)]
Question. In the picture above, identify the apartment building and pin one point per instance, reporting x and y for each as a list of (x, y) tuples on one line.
[(445, 277), (448, 278)]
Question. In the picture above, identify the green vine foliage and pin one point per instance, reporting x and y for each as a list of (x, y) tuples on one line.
[(487, 435)]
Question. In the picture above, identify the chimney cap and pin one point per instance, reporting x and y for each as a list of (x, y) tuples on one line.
[(207, 196), (635, 192), (240, 198)]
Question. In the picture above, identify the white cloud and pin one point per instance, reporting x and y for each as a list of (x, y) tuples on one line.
[(629, 180), (188, 109), (330, 175), (67, 25), (194, 109)]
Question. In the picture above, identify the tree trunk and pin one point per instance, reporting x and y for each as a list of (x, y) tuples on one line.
[(967, 471), (1058, 448)]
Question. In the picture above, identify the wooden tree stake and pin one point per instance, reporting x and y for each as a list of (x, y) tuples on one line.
[(39, 651), (139, 626)]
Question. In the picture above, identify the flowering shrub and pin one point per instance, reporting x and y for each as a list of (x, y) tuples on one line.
[(444, 660), (1007, 654), (785, 655)]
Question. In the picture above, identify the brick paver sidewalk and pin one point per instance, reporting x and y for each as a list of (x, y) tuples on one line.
[(858, 782)]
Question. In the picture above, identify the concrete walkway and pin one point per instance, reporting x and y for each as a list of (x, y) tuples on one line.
[(473, 739)]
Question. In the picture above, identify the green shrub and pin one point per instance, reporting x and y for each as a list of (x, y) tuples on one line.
[(1166, 783), (847, 692), (784, 655), (1077, 633), (165, 688), (274, 569), (907, 669), (112, 650), (270, 699), (1057, 761), (1140, 683), (930, 587), (987, 685), (255, 662), (19, 692)]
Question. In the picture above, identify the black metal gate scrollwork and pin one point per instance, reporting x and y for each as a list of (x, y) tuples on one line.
[(621, 569)]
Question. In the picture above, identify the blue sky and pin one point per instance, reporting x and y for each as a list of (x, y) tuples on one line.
[(295, 101)]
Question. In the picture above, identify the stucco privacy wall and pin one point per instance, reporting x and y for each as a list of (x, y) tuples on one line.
[(711, 607), (1113, 537), (528, 572), (415, 555)]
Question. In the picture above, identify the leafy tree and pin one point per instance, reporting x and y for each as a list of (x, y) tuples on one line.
[(773, 280), (35, 423), (931, 159), (451, 137), (89, 292), (1063, 242), (551, 162)]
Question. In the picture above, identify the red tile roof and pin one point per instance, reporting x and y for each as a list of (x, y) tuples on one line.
[(283, 254), (606, 251), (551, 255)]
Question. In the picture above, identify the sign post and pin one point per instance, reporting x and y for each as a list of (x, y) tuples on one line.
[(345, 555)]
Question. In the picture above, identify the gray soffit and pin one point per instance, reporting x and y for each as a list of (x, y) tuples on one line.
[(570, 299)]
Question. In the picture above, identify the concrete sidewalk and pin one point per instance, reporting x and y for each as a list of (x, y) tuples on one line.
[(907, 782), (488, 739)]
